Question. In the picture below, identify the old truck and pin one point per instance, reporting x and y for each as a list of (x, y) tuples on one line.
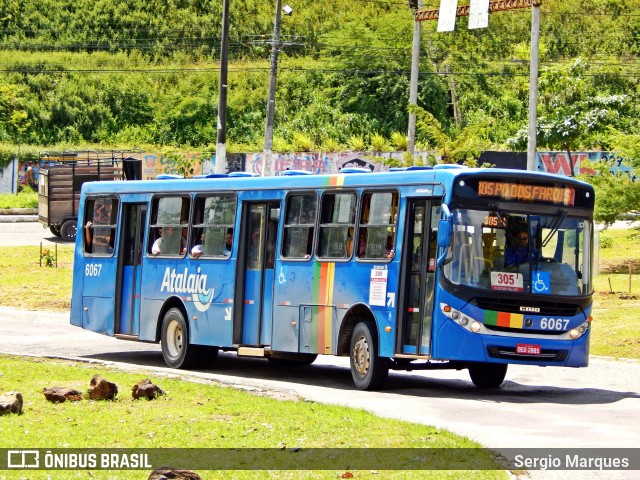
[(60, 181)]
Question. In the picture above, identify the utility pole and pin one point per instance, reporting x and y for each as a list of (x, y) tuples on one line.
[(499, 6), (413, 86), (533, 87), (457, 115), (271, 100), (221, 145)]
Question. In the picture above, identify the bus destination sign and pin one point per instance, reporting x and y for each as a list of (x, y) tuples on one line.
[(523, 192)]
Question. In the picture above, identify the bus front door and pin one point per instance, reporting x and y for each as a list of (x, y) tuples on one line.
[(260, 222), (129, 269), (419, 278)]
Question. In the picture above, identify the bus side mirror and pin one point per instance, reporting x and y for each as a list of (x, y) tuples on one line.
[(444, 233), (444, 239)]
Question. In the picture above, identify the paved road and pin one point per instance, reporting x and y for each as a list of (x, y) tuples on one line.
[(537, 407), (29, 233)]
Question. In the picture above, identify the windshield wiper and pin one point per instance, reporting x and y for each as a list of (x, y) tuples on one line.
[(554, 226)]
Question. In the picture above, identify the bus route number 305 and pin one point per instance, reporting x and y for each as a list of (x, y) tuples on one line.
[(92, 269)]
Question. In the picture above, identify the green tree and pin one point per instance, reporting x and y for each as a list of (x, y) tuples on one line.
[(616, 193), (454, 146), (572, 111)]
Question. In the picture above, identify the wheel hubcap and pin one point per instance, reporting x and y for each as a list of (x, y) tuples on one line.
[(361, 356), (174, 339)]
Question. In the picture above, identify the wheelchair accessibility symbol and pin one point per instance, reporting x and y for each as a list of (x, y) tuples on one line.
[(282, 279), (542, 283)]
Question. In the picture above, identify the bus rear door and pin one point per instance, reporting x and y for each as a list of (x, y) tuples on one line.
[(419, 269), (253, 322)]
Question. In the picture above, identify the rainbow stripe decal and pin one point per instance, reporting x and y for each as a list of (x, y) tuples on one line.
[(503, 319), (322, 311)]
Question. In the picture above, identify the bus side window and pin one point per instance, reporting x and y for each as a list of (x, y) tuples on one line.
[(299, 225), (377, 233), (100, 226), (213, 220), (337, 219), (169, 226)]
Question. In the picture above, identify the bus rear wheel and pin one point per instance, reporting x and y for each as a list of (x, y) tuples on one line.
[(488, 375), (369, 371), (176, 350)]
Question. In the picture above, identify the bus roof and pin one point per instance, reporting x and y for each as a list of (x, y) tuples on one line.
[(441, 174)]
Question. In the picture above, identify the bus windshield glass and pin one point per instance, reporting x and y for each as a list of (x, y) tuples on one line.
[(514, 252)]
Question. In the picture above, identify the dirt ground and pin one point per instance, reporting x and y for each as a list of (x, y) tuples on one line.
[(620, 266)]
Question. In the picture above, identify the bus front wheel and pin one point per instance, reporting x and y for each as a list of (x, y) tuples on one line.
[(368, 369), (488, 375), (176, 350)]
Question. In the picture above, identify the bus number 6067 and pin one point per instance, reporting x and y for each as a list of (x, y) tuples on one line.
[(553, 324), (92, 269)]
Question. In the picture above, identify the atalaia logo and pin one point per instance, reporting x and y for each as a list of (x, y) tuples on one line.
[(191, 283)]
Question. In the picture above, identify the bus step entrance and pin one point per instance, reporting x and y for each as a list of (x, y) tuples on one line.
[(122, 336), (251, 352)]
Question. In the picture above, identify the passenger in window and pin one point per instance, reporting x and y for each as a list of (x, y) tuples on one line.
[(101, 242), (388, 251), (168, 243), (196, 251), (228, 245), (99, 238)]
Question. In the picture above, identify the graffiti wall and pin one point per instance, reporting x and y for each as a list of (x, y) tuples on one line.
[(154, 164), (559, 163), (316, 162)]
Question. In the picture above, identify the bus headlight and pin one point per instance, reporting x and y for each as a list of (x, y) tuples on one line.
[(464, 321), (577, 332)]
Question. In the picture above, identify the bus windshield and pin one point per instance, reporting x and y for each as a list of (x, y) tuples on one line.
[(516, 252)]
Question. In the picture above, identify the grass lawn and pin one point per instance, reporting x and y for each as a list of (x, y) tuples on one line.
[(202, 415), (27, 198), (616, 314)]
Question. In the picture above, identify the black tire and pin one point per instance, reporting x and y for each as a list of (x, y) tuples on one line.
[(68, 230), (292, 359), (55, 230), (176, 350), (488, 375), (368, 370)]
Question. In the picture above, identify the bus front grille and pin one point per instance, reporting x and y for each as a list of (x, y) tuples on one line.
[(515, 306)]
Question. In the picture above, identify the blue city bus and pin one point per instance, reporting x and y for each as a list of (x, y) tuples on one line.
[(416, 268)]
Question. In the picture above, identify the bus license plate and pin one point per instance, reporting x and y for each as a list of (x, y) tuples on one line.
[(527, 349)]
